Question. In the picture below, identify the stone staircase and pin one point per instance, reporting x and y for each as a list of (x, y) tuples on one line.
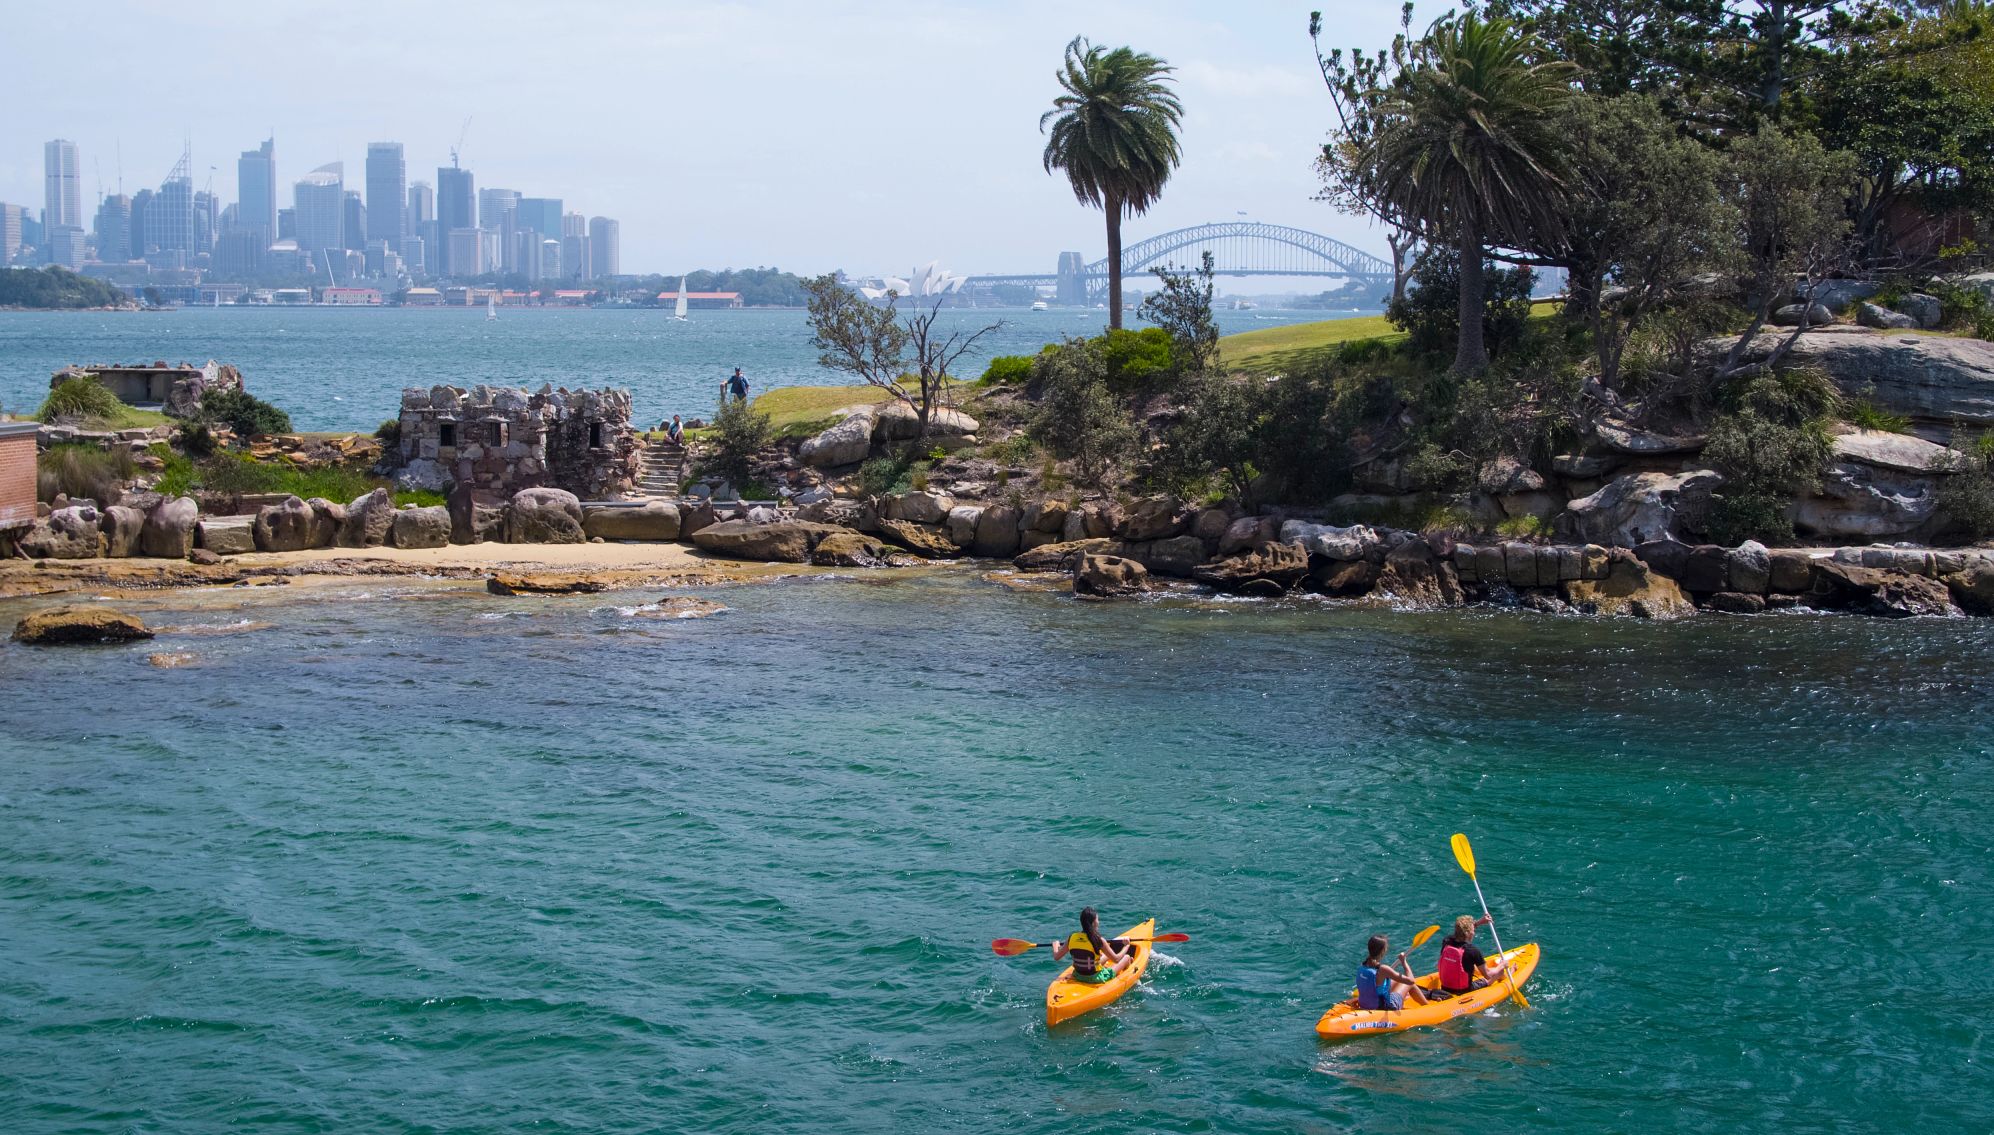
[(662, 471)]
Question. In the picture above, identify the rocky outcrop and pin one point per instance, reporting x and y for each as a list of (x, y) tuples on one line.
[(1329, 541), (122, 529), (929, 541), (422, 527), (1883, 319), (370, 521), (1176, 556), (919, 507), (1865, 502), (961, 524), (1877, 591), (1092, 520), (1062, 556), (544, 583), (1972, 586), (847, 443), (169, 528), (651, 521), (787, 542), (72, 533), (1414, 576), (1249, 532), (1267, 570), (1151, 518), (79, 623), (1628, 587), (1640, 507), (287, 527), (1105, 577), (997, 532), (227, 535), (845, 548), (1937, 381), (544, 516), (897, 421)]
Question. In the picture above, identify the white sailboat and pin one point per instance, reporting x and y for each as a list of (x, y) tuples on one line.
[(491, 307), (678, 311)]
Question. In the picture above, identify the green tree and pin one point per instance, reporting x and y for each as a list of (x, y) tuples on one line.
[(244, 413), (1078, 417), (1114, 134), (739, 432), (872, 343), (1461, 145), (1787, 193), (1183, 309), (1770, 440)]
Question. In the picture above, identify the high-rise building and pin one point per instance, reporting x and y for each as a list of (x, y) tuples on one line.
[(387, 192), (574, 247), (493, 205), (605, 253), (541, 215), (141, 224), (169, 221), (421, 206), (414, 255), (463, 252), (114, 229), (62, 185), (66, 246), (207, 221), (456, 211), (353, 222), (256, 190), (10, 232), (287, 224), (320, 215), (550, 259)]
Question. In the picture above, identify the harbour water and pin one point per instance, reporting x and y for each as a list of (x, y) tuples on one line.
[(411, 858), (345, 368)]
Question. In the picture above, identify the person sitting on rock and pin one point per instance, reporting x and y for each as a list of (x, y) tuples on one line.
[(675, 432), (1094, 958), (1375, 980)]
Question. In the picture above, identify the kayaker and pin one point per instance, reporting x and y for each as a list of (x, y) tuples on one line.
[(1463, 969), (1094, 957), (1375, 979)]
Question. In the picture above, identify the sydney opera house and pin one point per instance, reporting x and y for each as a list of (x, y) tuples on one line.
[(924, 283)]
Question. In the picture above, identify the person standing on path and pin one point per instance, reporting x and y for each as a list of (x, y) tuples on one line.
[(736, 387)]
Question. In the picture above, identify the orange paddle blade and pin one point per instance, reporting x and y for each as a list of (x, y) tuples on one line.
[(1166, 938), (1011, 947)]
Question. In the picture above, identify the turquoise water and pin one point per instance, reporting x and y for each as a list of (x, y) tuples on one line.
[(411, 858), (344, 369)]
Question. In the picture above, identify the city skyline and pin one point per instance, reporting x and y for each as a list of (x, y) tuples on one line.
[(858, 138)]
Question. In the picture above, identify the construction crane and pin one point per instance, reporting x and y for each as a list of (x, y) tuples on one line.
[(460, 140)]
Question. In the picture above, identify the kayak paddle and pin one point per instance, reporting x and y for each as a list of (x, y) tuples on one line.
[(1465, 856), (1012, 947)]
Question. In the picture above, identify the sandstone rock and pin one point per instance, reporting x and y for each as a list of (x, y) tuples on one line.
[(370, 520), (543, 583), (1107, 576), (997, 532), (1491, 566), (846, 548), (328, 521), (1249, 532), (227, 535), (1045, 516), (1640, 507), (961, 524), (1571, 563), (1414, 575), (122, 528), (1882, 318), (1270, 568), (1092, 520), (1209, 525), (1972, 586), (919, 507), (422, 527), (788, 542), (929, 541), (847, 443), (843, 512), (1736, 602), (1795, 314), (1062, 556), (897, 421), (1874, 591), (679, 607), (1859, 501), (544, 516), (1519, 563), (1927, 310), (1343, 577), (288, 527), (171, 659), (1838, 296), (1748, 568), (1668, 557), (1593, 562), (1176, 556), (1789, 571), (1903, 453), (1704, 571), (79, 623), (1935, 380), (1508, 475), (654, 520), (1329, 541), (1032, 538), (1625, 439), (1151, 518), (1629, 588), (75, 532), (203, 558), (701, 515)]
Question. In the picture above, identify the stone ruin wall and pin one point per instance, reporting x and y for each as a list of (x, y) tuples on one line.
[(502, 439)]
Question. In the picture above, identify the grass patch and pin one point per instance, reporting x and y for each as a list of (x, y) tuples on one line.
[(791, 408), (237, 473), (91, 405), (1277, 349), (83, 472), (1865, 416)]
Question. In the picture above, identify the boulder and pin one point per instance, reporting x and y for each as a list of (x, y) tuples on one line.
[(787, 542), (1736, 602), (1669, 557), (544, 516), (1927, 310), (291, 526), (1748, 568), (79, 623), (1519, 564), (1937, 381), (1176, 556), (1876, 591), (1972, 586), (1249, 532), (370, 520), (169, 528), (1092, 520), (1343, 577), (1883, 319), (846, 548), (961, 524), (1838, 296), (1062, 556), (1151, 518), (997, 532), (843, 512), (654, 520), (227, 535), (1506, 475), (1704, 570), (701, 515), (1901, 453), (422, 527), (897, 421), (1629, 587), (1625, 439), (1414, 575), (847, 443), (1209, 525), (75, 532), (1866, 502), (1637, 508), (328, 521), (918, 507), (1789, 571), (1268, 569), (122, 528), (929, 541), (1045, 516), (543, 583), (1594, 562), (1797, 314), (1108, 576), (1328, 541)]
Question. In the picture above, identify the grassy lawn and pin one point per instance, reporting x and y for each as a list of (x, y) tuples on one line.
[(1278, 349), (806, 410)]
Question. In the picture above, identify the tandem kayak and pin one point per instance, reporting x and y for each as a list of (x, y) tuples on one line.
[(1066, 998), (1345, 1019)]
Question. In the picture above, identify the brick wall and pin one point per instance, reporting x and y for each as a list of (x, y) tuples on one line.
[(17, 473)]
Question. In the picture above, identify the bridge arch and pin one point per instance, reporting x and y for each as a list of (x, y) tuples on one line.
[(1252, 248)]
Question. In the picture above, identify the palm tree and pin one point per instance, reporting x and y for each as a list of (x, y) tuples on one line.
[(1114, 133), (1466, 150)]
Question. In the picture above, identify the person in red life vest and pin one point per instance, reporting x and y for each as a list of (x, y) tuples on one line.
[(1462, 966)]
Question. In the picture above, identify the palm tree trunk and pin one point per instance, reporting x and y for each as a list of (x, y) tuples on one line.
[(1470, 352), (1114, 208)]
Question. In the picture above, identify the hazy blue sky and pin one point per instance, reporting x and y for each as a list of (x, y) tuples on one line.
[(867, 136)]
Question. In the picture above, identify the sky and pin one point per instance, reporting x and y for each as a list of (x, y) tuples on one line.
[(808, 136)]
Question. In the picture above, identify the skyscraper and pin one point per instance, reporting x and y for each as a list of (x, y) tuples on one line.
[(353, 222), (421, 206), (141, 224), (387, 193), (207, 220), (256, 190), (605, 253), (456, 211), (10, 232), (541, 215), (320, 211), (493, 205), (114, 229), (62, 185), (169, 221)]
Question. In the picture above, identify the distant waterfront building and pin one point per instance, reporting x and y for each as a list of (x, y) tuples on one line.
[(550, 259), (140, 233), (207, 221), (353, 222), (287, 225), (169, 220), (114, 229), (62, 185), (320, 210), (493, 205), (415, 255), (463, 252), (256, 190), (10, 232), (66, 246), (541, 215), (574, 258), (387, 192), (605, 256), (456, 210)]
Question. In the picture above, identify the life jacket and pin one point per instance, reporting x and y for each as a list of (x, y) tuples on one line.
[(1372, 988), (1081, 949), (1454, 977)]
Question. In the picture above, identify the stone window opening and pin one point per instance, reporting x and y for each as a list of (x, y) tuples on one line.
[(595, 435), (498, 435), (446, 435)]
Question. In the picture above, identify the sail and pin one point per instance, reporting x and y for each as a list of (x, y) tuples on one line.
[(679, 310)]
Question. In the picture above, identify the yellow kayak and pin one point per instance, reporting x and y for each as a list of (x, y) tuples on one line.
[(1345, 1019), (1066, 998)]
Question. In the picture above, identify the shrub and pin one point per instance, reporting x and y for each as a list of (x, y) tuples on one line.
[(1078, 417), (1430, 313), (1015, 450), (244, 413), (1524, 527), (79, 397), (1007, 370), (1966, 498), (737, 434), (390, 433), (1770, 442), (1866, 416), (880, 474), (197, 439), (83, 472), (1132, 360)]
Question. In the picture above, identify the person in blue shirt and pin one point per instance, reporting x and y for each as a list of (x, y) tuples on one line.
[(1375, 979), (736, 386)]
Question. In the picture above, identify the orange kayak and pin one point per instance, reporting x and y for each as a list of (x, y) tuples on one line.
[(1345, 1020), (1066, 998)]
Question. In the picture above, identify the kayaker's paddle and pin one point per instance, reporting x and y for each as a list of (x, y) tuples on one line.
[(1012, 947), (1465, 856)]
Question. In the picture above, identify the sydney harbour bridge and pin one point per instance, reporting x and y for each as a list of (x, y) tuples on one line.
[(1238, 248)]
